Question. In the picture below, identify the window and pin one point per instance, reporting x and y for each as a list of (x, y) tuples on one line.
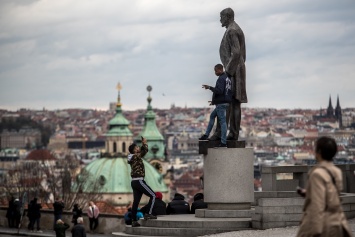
[(114, 147)]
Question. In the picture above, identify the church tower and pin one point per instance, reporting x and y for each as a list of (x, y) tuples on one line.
[(330, 110), (338, 113), (150, 131), (119, 136)]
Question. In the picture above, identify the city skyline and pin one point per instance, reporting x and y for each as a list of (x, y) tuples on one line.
[(61, 55)]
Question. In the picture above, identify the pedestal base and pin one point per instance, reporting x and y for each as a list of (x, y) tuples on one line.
[(228, 178)]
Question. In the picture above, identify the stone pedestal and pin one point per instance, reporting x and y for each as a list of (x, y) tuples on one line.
[(228, 178)]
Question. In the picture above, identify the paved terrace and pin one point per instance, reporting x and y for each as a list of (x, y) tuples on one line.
[(276, 232)]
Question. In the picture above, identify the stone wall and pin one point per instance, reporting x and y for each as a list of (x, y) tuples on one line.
[(107, 223), (300, 175), (275, 209)]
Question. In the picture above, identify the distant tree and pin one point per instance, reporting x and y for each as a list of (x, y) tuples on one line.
[(26, 122), (51, 178)]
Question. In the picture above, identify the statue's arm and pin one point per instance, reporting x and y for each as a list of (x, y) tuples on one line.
[(233, 61)]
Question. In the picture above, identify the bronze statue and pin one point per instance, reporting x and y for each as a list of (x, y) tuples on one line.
[(232, 53)]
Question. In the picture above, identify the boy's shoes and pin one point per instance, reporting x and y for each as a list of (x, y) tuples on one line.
[(135, 224), (149, 217), (204, 137), (221, 145)]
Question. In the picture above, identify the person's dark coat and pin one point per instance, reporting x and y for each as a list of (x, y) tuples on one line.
[(198, 203), (78, 231), (58, 207), (60, 229), (77, 212), (178, 205), (159, 208), (34, 209), (10, 210)]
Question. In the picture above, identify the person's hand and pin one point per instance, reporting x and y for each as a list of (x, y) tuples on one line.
[(144, 141), (206, 87), (301, 192)]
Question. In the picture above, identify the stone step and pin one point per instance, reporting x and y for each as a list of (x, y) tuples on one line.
[(206, 213), (122, 234), (154, 231), (186, 225), (229, 223)]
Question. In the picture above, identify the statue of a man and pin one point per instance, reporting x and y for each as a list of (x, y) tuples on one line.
[(232, 53)]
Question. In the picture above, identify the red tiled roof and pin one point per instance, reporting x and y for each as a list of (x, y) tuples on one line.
[(40, 155)]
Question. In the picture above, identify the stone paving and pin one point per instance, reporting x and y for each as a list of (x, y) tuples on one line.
[(277, 232)]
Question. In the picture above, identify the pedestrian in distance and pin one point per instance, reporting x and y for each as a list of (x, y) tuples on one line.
[(93, 214), (60, 227), (79, 229), (221, 97), (77, 212), (10, 213), (323, 215), (34, 214), (178, 205), (58, 207), (139, 186)]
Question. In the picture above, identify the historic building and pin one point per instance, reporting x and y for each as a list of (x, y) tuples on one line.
[(332, 116), (112, 170)]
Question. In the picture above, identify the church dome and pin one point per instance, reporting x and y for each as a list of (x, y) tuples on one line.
[(114, 176)]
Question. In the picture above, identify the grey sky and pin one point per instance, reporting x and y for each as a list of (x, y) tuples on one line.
[(71, 54)]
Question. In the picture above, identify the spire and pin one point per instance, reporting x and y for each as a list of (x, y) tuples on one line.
[(330, 110), (119, 105), (151, 133), (330, 103), (119, 135), (338, 104), (338, 113)]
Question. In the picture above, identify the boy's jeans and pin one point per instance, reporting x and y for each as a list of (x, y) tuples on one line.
[(220, 112)]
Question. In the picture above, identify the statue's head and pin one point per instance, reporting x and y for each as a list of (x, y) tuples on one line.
[(227, 16)]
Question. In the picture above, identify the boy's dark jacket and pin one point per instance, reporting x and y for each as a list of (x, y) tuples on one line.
[(222, 92), (198, 204), (178, 205), (136, 162)]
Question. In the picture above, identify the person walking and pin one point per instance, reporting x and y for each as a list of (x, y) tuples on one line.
[(323, 215), (60, 227), (79, 229), (93, 214)]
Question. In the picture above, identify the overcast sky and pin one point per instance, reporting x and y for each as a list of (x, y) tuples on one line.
[(71, 54)]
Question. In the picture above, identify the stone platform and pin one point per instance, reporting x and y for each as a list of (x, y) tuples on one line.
[(186, 225)]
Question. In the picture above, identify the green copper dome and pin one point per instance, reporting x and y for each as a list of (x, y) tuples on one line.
[(118, 125), (114, 175)]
